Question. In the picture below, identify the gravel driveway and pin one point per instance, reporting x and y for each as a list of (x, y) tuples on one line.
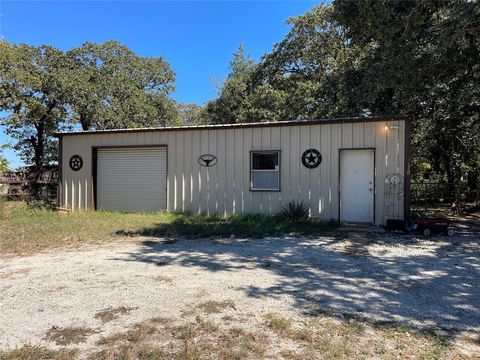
[(419, 283)]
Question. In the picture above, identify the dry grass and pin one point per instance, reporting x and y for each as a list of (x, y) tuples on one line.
[(68, 335), (215, 307), (110, 314), (277, 337), (29, 352), (316, 338), (163, 279), (355, 340), (193, 340)]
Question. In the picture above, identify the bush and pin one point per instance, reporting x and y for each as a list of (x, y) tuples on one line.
[(295, 210)]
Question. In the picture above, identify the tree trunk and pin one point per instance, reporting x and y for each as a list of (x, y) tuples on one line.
[(38, 144), (84, 122)]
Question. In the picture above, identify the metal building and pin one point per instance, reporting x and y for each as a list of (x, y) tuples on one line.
[(352, 169)]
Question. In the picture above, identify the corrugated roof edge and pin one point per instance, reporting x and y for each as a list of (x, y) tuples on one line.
[(243, 125)]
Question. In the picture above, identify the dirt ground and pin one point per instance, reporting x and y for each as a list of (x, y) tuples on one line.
[(423, 284)]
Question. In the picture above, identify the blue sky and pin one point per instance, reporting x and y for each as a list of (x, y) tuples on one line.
[(198, 38)]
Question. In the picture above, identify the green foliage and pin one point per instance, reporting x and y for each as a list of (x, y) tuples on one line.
[(380, 57), (31, 92), (228, 107), (191, 114), (98, 86), (423, 58), (295, 210), (111, 87), (3, 159)]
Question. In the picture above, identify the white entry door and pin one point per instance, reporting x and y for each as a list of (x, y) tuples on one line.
[(357, 193)]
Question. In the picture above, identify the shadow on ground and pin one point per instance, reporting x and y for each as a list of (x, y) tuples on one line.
[(426, 285)]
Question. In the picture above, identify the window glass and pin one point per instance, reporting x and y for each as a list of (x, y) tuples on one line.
[(265, 180), (265, 161), (265, 170)]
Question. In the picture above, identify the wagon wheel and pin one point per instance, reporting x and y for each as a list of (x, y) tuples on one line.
[(427, 233)]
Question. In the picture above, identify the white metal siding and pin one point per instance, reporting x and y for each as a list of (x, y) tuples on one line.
[(132, 179), (224, 188)]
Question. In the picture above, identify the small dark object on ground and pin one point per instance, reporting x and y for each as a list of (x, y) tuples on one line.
[(395, 225)]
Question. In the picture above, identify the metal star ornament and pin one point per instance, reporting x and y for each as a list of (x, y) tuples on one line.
[(311, 158)]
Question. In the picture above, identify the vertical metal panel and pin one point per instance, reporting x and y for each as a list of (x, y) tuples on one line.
[(391, 200), (325, 172), (179, 169), (256, 195), (382, 160), (357, 135), (276, 200), (336, 144), (247, 145), (401, 166), (305, 174), (212, 180), (204, 183), (220, 172), (240, 187), (172, 174), (315, 185), (286, 171), (347, 135), (195, 168), (179, 166), (370, 129), (406, 167), (294, 163), (230, 181), (187, 171), (225, 188)]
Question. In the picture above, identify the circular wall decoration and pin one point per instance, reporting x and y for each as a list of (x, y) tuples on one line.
[(76, 162), (311, 158), (207, 160)]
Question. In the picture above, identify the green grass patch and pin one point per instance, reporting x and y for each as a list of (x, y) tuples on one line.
[(245, 226), (278, 323), (25, 230)]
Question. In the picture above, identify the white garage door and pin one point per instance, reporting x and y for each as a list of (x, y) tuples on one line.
[(132, 179)]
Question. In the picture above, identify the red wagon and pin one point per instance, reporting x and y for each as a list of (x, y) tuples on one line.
[(429, 226)]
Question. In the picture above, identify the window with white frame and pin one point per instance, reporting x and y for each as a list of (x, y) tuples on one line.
[(265, 170)]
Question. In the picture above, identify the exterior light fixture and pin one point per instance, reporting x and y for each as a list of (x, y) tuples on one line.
[(391, 127)]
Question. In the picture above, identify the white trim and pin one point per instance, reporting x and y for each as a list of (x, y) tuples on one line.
[(277, 170)]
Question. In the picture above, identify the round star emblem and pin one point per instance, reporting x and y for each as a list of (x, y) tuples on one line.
[(76, 162), (311, 158)]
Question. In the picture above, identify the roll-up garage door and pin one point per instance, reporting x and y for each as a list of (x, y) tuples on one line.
[(132, 179)]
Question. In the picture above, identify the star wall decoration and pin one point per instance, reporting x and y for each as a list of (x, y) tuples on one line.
[(311, 158)]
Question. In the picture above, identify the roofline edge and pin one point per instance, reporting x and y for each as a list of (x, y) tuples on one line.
[(341, 120)]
